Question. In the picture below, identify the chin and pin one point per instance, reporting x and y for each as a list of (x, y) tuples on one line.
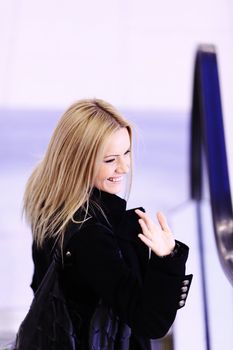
[(109, 187), (113, 189)]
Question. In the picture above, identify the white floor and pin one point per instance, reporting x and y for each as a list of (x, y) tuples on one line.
[(160, 182)]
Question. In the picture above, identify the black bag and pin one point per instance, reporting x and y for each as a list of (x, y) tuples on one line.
[(47, 325), (106, 331)]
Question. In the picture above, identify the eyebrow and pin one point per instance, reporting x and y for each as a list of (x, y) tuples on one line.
[(116, 155), (112, 155)]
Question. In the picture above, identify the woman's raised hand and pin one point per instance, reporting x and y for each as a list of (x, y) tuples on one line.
[(158, 237)]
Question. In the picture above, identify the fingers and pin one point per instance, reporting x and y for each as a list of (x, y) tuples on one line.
[(163, 222), (158, 237), (145, 229), (161, 219), (146, 240), (145, 218)]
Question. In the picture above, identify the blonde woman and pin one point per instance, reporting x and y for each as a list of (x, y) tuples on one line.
[(118, 297)]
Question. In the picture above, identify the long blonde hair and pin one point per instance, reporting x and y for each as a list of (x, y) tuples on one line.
[(63, 181)]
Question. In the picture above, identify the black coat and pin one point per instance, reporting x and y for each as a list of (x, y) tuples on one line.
[(108, 261)]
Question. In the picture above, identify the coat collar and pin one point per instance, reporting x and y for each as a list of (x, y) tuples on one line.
[(113, 206), (124, 222), (125, 226)]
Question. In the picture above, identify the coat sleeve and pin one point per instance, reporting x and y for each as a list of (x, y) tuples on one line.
[(149, 308)]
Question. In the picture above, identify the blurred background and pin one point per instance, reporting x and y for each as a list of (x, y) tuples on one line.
[(139, 56)]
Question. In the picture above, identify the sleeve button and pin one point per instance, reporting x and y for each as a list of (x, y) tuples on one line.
[(181, 303), (183, 296), (185, 282), (184, 289)]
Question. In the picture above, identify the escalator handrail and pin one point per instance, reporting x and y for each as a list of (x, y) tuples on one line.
[(207, 134)]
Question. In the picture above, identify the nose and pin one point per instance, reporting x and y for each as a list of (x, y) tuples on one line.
[(122, 166)]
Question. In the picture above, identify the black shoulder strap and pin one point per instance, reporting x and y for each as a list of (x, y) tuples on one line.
[(58, 253)]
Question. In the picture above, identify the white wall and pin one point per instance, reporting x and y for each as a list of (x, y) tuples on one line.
[(133, 53)]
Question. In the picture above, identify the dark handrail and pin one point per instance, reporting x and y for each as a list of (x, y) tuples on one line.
[(207, 133)]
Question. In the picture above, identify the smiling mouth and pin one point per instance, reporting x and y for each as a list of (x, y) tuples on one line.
[(115, 179)]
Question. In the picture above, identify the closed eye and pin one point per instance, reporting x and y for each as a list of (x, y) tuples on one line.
[(109, 160)]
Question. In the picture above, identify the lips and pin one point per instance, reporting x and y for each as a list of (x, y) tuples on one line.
[(115, 179)]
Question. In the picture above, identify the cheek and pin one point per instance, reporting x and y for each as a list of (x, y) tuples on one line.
[(128, 162), (103, 173)]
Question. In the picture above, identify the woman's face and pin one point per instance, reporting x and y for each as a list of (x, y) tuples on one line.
[(116, 163)]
